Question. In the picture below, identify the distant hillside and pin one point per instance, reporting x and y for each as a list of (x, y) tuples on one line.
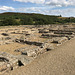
[(11, 18)]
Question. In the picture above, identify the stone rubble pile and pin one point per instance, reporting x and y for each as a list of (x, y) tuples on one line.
[(10, 62)]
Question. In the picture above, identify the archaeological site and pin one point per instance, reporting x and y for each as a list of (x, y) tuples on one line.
[(21, 45)]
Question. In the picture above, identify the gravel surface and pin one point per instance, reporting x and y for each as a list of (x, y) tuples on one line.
[(60, 61)]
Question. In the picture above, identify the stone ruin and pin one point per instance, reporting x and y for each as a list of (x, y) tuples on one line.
[(35, 51), (9, 62), (52, 36)]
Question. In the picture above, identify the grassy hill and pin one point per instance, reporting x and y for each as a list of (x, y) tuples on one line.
[(11, 18)]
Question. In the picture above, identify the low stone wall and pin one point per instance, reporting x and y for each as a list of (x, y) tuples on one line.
[(53, 35), (29, 42), (68, 33), (39, 50), (59, 40)]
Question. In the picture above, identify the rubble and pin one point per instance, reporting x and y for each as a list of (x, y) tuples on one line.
[(34, 40)]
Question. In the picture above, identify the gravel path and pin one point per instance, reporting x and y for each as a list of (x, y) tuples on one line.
[(60, 61)]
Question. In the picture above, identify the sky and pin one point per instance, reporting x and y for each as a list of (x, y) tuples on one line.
[(66, 8)]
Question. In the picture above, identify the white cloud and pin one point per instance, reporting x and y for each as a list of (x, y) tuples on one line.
[(48, 11), (32, 1), (64, 12), (6, 8), (34, 9), (58, 3), (31, 9)]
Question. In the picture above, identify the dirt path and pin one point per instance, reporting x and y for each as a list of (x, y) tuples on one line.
[(60, 61)]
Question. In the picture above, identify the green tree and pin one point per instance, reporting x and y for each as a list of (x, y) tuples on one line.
[(10, 21), (27, 21)]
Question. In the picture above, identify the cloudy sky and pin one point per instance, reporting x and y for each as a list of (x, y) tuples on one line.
[(65, 8)]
